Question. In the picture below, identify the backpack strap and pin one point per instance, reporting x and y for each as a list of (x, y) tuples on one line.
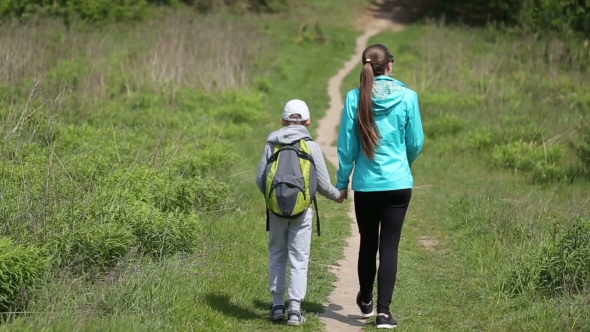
[(307, 139), (317, 214)]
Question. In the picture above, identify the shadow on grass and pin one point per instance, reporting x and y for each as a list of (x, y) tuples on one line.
[(404, 11), (223, 304), (310, 307), (472, 13)]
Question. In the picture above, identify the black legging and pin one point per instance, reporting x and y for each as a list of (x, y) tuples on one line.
[(387, 208)]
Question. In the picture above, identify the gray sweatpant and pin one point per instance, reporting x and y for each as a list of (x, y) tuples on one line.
[(289, 239)]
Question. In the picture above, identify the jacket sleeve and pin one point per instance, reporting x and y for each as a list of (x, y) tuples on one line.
[(348, 141), (325, 187), (414, 131), (260, 180)]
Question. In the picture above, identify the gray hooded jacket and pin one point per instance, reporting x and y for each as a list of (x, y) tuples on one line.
[(287, 135)]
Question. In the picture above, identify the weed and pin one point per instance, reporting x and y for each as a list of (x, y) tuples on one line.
[(581, 142), (21, 269), (443, 125), (521, 156), (559, 266)]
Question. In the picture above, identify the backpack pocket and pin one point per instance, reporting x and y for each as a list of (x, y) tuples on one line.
[(288, 190)]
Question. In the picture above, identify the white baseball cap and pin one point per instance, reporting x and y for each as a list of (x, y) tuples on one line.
[(296, 106)]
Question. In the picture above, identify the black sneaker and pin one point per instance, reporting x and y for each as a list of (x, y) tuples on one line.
[(386, 322), (366, 308), (277, 312)]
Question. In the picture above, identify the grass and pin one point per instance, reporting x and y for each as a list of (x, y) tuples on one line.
[(472, 228), (128, 168), (132, 169)]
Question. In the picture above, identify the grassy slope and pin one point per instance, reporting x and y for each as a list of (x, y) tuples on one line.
[(300, 73), (454, 287), (223, 288), (479, 220)]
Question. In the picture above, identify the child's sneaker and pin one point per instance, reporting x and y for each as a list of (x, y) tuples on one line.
[(386, 321), (295, 318), (366, 308), (277, 312)]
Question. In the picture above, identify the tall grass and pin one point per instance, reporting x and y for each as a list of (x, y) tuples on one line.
[(499, 188), (127, 171), (500, 111), (175, 50), (115, 141), (508, 86)]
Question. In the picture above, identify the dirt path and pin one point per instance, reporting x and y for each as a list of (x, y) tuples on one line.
[(341, 313)]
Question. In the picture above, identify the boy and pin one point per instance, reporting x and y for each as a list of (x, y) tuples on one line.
[(290, 238)]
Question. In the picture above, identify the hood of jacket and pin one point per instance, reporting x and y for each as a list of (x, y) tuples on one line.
[(288, 134), (387, 93)]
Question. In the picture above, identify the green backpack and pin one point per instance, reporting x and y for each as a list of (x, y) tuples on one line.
[(290, 181)]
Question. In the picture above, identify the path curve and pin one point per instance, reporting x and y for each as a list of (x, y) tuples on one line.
[(341, 313)]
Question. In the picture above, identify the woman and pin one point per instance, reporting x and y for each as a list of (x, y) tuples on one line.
[(381, 135)]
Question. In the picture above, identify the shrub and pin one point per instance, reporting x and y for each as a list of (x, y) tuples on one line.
[(272, 6), (544, 172), (560, 266), (93, 245), (96, 11), (126, 185), (88, 10), (565, 265), (216, 157), (193, 195), (163, 233), (519, 128), (581, 144), (21, 268), (546, 15), (512, 129), (484, 216), (443, 126), (522, 156), (482, 139), (135, 207)]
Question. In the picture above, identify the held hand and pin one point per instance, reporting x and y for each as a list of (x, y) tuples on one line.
[(343, 196)]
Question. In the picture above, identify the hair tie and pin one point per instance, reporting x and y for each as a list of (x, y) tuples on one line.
[(367, 60)]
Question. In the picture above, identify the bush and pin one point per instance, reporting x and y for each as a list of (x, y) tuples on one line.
[(216, 157), (560, 266), (125, 10), (544, 172), (88, 10), (127, 185), (581, 144), (163, 233), (520, 128), (485, 217), (545, 15), (272, 6), (443, 126), (95, 246), (21, 268), (193, 195), (512, 129), (522, 156)]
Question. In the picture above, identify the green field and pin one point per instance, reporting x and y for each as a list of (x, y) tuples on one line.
[(129, 153), (497, 235)]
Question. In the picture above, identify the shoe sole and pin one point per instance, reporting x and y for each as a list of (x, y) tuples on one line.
[(278, 317), (370, 314), (292, 323), (386, 326)]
